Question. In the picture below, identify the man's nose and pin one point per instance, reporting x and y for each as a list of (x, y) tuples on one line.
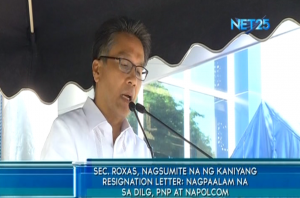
[(132, 77)]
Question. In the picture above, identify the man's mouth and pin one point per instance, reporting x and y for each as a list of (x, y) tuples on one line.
[(127, 97)]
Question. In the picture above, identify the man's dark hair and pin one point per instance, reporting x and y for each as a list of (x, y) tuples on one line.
[(106, 33)]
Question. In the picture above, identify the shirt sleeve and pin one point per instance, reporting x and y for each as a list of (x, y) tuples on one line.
[(59, 145)]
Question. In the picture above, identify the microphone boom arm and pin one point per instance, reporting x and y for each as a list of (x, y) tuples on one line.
[(197, 148), (147, 142), (132, 108)]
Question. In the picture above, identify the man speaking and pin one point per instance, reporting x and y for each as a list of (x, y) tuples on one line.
[(100, 129)]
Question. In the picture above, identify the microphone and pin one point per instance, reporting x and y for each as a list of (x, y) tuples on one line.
[(140, 108), (132, 108)]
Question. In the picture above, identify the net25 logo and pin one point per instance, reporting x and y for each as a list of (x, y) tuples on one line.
[(249, 25)]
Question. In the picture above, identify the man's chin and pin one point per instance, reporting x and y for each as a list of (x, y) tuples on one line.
[(127, 114), (124, 114), (123, 111)]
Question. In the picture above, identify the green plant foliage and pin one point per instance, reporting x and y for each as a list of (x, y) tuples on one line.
[(158, 100)]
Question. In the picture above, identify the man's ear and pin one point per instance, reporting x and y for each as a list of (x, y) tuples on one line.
[(97, 69)]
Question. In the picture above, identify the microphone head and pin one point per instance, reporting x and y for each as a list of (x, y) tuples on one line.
[(140, 108), (131, 106)]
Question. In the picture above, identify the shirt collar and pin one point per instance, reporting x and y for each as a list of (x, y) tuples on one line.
[(95, 117)]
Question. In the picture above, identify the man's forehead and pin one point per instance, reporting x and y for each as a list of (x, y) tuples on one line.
[(126, 45), (128, 55)]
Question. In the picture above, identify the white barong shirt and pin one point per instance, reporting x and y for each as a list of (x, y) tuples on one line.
[(85, 133)]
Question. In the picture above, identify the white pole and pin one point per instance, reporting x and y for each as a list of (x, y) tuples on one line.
[(30, 16), (231, 104), (187, 79)]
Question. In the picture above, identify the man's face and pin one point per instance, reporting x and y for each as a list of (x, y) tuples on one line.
[(115, 89)]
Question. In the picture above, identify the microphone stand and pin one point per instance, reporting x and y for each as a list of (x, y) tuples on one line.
[(140, 108), (132, 108)]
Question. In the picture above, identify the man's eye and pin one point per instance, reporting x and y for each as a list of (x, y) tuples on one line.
[(138, 73), (125, 64)]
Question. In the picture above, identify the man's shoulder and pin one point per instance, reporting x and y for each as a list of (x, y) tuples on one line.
[(73, 122), (74, 118), (71, 115)]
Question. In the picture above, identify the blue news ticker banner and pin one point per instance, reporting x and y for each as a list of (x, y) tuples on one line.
[(36, 179), (187, 178), (152, 178)]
